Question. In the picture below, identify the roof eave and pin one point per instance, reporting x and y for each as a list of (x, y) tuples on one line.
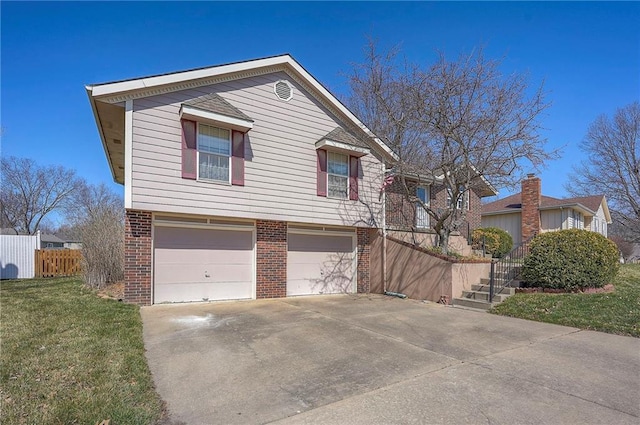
[(96, 116)]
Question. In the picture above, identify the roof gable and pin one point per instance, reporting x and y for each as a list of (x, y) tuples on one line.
[(213, 102), (119, 91)]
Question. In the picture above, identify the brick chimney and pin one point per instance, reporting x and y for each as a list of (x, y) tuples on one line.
[(531, 197)]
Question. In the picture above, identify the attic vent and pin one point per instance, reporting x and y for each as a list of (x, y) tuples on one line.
[(283, 90)]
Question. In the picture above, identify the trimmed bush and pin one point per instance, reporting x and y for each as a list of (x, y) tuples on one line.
[(571, 260), (497, 242)]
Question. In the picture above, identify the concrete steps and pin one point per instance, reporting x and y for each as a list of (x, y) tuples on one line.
[(478, 296)]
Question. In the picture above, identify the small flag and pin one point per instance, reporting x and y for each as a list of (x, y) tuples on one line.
[(388, 180)]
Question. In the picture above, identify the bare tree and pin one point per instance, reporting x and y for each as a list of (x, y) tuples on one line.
[(30, 192), (97, 216), (453, 123), (612, 167), (625, 248)]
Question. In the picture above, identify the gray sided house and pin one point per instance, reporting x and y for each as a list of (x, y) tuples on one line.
[(245, 180), (529, 212), (248, 180)]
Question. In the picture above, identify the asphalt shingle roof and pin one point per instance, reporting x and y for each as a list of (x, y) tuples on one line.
[(339, 134), (215, 103), (514, 203)]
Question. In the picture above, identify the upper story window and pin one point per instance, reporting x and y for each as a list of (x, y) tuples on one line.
[(214, 151), (338, 175), (463, 199)]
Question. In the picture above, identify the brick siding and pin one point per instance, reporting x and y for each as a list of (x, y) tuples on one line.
[(364, 260), (531, 196), (401, 212), (271, 240), (137, 257)]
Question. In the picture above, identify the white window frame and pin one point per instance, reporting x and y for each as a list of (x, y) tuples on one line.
[(230, 140), (463, 202), (347, 176), (423, 220)]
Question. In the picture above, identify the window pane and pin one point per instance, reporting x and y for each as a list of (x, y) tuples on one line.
[(338, 187), (213, 167), (338, 164), (213, 140)]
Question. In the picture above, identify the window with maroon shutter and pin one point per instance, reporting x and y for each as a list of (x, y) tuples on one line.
[(353, 178), (237, 158), (189, 149), (321, 169), (212, 153)]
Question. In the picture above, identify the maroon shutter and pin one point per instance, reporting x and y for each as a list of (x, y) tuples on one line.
[(189, 149), (353, 178), (237, 158), (322, 172)]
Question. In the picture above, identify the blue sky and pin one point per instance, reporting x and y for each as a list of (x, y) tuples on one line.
[(587, 54)]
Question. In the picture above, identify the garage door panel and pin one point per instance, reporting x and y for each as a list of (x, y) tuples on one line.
[(180, 256), (319, 264), (189, 292), (201, 239), (180, 273), (198, 264), (321, 243)]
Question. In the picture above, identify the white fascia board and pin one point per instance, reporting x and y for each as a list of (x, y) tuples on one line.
[(339, 146), (179, 77), (198, 114), (509, 211), (128, 154)]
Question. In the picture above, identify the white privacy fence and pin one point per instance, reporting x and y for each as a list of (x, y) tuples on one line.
[(17, 256)]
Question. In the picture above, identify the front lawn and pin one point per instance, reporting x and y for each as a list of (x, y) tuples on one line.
[(70, 357), (616, 312)]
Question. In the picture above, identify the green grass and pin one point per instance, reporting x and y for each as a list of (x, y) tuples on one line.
[(616, 312), (70, 357)]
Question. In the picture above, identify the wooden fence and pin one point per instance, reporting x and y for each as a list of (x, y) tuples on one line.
[(57, 262)]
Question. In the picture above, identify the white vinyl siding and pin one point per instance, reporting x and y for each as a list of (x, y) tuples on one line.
[(280, 159), (214, 150)]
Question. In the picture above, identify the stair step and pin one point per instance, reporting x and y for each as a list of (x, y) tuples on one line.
[(466, 302), (485, 288), (486, 280), (484, 296)]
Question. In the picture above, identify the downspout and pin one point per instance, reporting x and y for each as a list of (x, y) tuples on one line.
[(384, 230)]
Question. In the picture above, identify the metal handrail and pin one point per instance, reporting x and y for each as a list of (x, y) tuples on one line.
[(506, 269)]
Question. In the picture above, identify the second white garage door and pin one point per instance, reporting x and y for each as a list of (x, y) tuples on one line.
[(320, 264), (197, 264)]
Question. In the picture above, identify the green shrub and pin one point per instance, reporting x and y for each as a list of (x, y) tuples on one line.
[(571, 260), (496, 241)]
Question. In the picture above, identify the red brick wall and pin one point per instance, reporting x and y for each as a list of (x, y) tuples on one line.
[(401, 212), (364, 260), (271, 239), (531, 194), (137, 257)]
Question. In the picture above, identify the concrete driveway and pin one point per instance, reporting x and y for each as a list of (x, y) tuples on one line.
[(379, 360)]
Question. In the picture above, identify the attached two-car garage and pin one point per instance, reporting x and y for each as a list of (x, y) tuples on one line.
[(204, 260)]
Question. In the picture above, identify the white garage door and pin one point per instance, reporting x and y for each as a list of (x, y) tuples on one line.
[(320, 264), (198, 264)]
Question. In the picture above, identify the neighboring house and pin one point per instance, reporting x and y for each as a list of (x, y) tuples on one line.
[(530, 212), (48, 241), (244, 180)]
